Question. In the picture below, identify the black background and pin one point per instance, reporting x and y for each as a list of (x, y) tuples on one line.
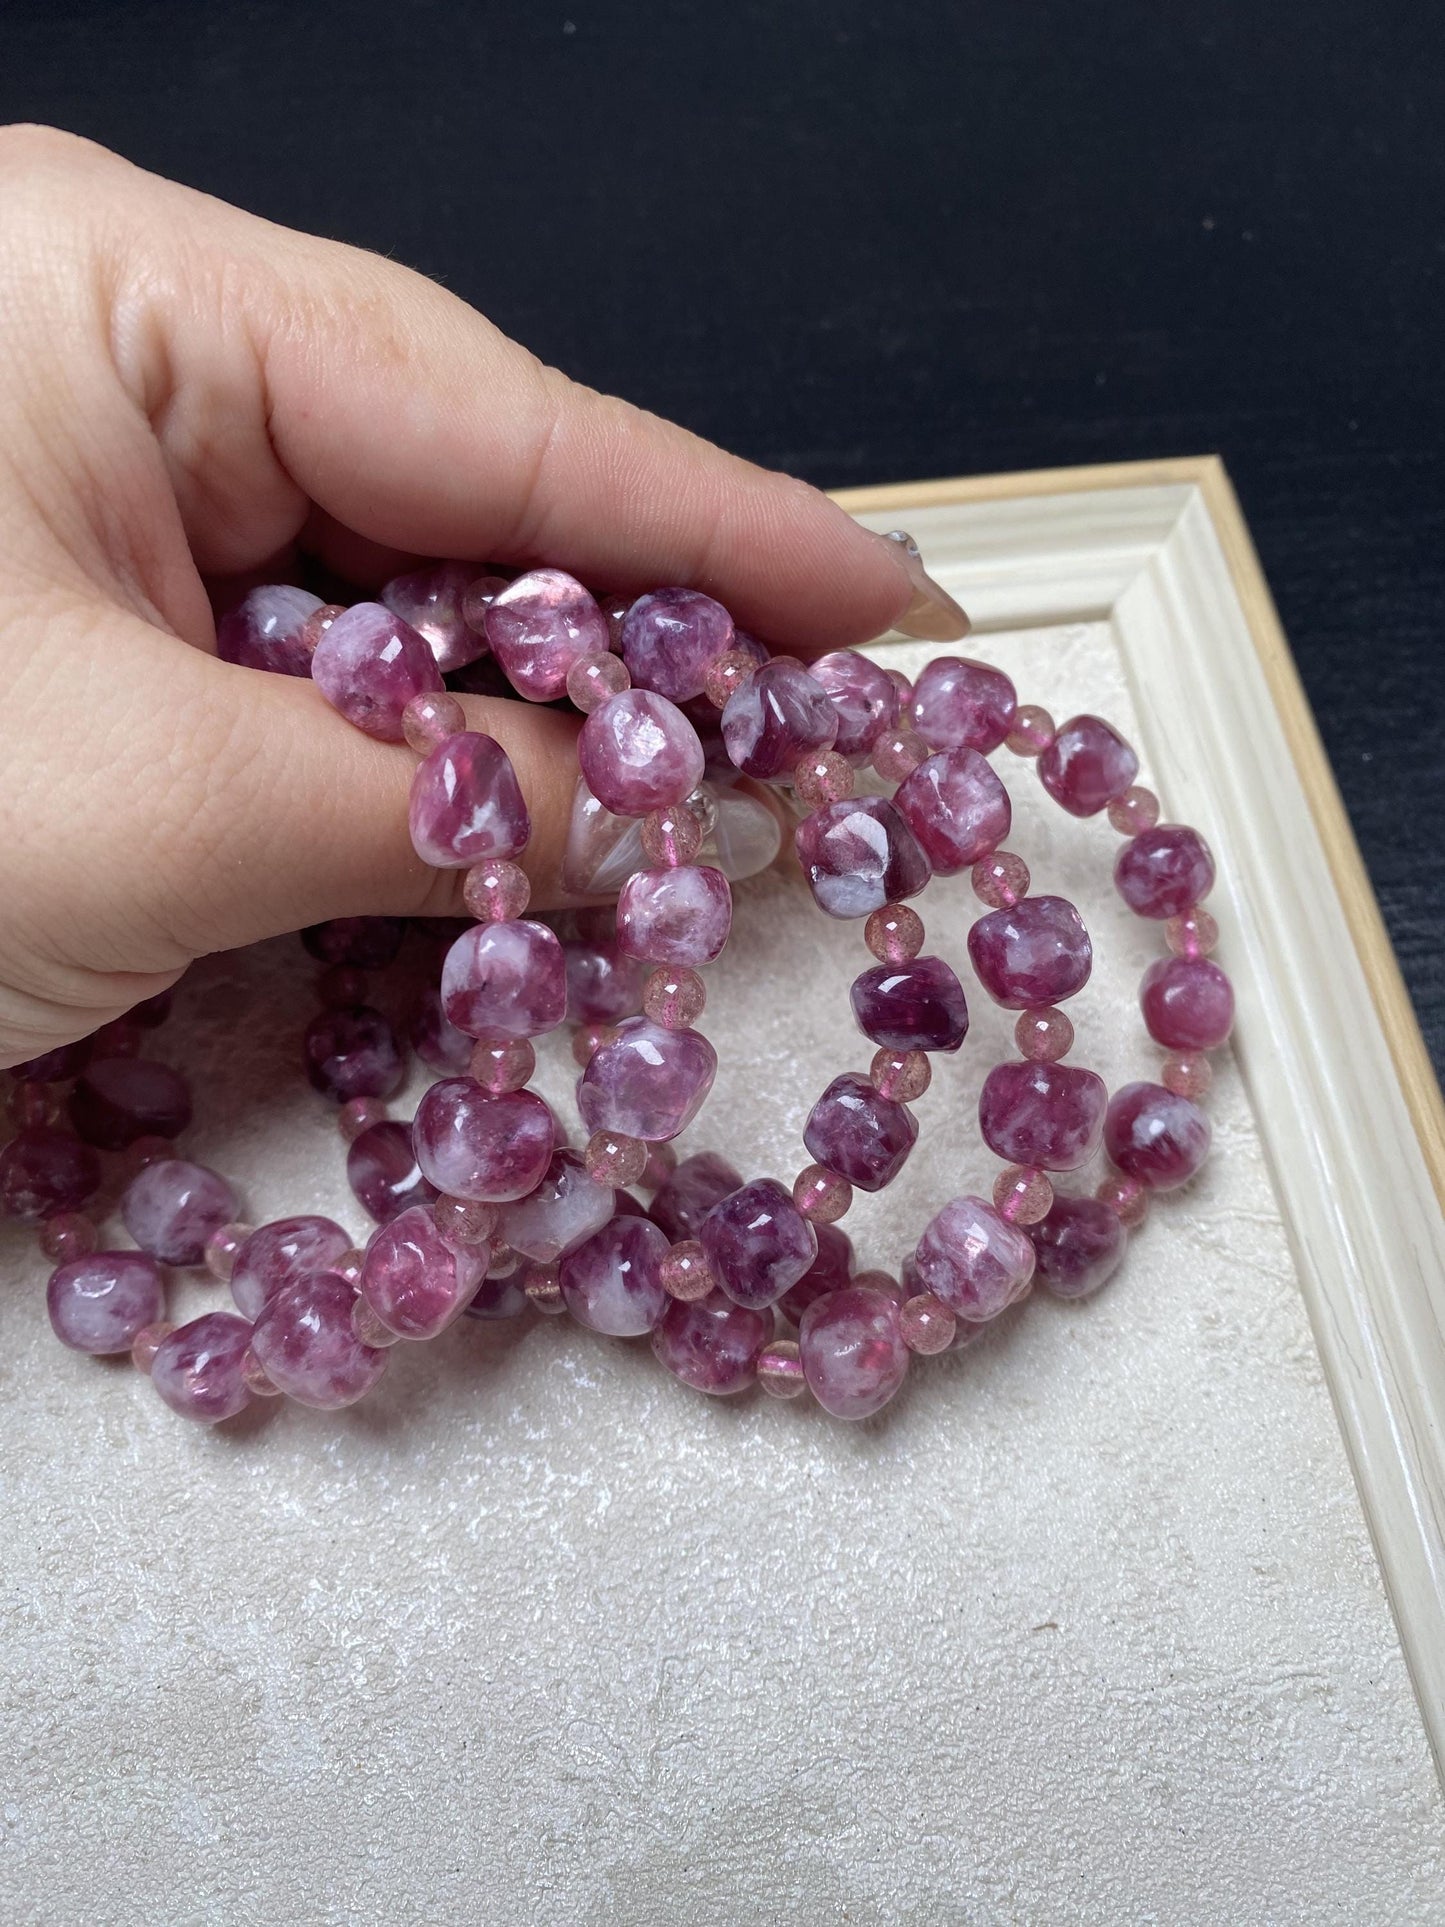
[(872, 243)]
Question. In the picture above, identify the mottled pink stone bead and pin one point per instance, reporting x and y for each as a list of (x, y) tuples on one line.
[(538, 626), (1155, 1136), (690, 1192), (505, 980), (498, 1298), (758, 1243), (431, 599), (1036, 952), (564, 1210), (1188, 1003), (466, 804), (369, 665), (383, 1171), (861, 1134), (118, 1099), (671, 637), (853, 1352), (1087, 765), (172, 1208), (264, 630), (43, 1171), (777, 715), (917, 1005), (830, 1270), (639, 753), (435, 1039), (972, 1260), (865, 697), (1049, 1115), (1165, 871), (713, 1344), (99, 1303), (645, 1081), (471, 1145), (306, 1344), (956, 807), (197, 1368), (414, 1279), (1077, 1247), (603, 985), (277, 1254), (961, 704), (353, 1053), (613, 1282), (679, 916), (859, 855)]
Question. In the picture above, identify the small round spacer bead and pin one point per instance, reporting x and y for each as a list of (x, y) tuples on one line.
[(502, 1260), (349, 1265), (615, 1159), (1126, 1198), (823, 777), (1032, 731), (897, 753), (145, 1152), (502, 1064), (478, 597), (120, 1039), (497, 891), (543, 1286), (69, 1234), (904, 687), (254, 1378), (615, 608), (222, 1247), (883, 1281), (674, 998), (369, 1328), (429, 719), (686, 1273), (1195, 934), (1044, 1034), (33, 1104), (316, 625), (147, 1342), (1022, 1194), (894, 934), (926, 1324), (902, 1075), (821, 1195), (1137, 809), (358, 1114), (342, 987), (464, 1221), (596, 679), (780, 1369), (661, 1163), (671, 837), (1188, 1073), (727, 675), (588, 1038), (1000, 880)]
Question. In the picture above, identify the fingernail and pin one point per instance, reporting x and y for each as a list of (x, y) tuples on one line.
[(932, 615)]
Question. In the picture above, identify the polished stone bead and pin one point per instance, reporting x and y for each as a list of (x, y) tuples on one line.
[(564, 1210), (1077, 1247), (435, 1038), (645, 1081), (360, 943), (307, 1346), (1036, 952), (1047, 1115), (775, 716), (960, 704), (758, 1243), (918, 1005), (414, 1279), (1165, 871), (383, 1171), (639, 753), (1087, 765), (43, 1171), (670, 638), (865, 697), (603, 986), (498, 1298), (857, 1132), (470, 1145), (690, 1192), (54, 1066), (119, 1099), (860, 855), (431, 599), (956, 807), (1188, 1003), (99, 1302), (713, 1344), (830, 1270), (369, 665), (466, 804), (278, 1254), (741, 838), (172, 1208), (1155, 1136), (972, 1260), (677, 917), (264, 630), (505, 980), (197, 1368), (853, 1352), (612, 1283), (353, 1053), (538, 626)]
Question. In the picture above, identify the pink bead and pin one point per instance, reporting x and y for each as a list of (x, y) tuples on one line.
[(66, 1236), (505, 980), (640, 753), (613, 1283), (698, 1183), (956, 807), (1127, 1198), (830, 1270), (305, 1343), (822, 776), (898, 753), (900, 1074), (492, 1149), (959, 704), (499, 1298), (1165, 871), (861, 1134), (680, 916), (265, 630), (278, 1254), (911, 1006), (1137, 809), (565, 1209), (171, 1209), (1044, 1035), (594, 680), (98, 1303), (463, 1221), (197, 1368), (367, 1326), (894, 933), (758, 1243), (478, 596), (926, 1324), (674, 998), (502, 1066), (904, 687), (859, 856), (685, 1272), (369, 665), (255, 1380), (865, 697), (1188, 1003), (432, 600), (44, 1171), (222, 1249), (821, 1195), (1000, 880), (661, 1163), (118, 1099), (672, 637), (148, 1342), (671, 837), (779, 714), (349, 1265), (853, 1353), (645, 1081), (1087, 765), (382, 1170), (1193, 935), (973, 1260), (1155, 1136), (588, 1038), (429, 721), (1037, 952), (1078, 1247), (414, 1280), (1050, 1115), (780, 1370), (538, 626), (713, 1345), (496, 891), (1022, 1194), (1187, 1074), (614, 1159), (1032, 731), (466, 805), (359, 1114), (603, 986), (885, 1282), (315, 627)]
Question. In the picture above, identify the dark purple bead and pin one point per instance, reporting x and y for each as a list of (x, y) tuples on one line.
[(911, 1006), (364, 943), (712, 1345), (118, 1099), (671, 637), (956, 807), (151, 1014), (831, 1270), (44, 1171), (382, 1170), (603, 986), (698, 1183), (1087, 765), (1047, 1115), (353, 1053), (54, 1065), (1077, 1247), (1164, 871), (436, 1040), (858, 855), (1156, 1137), (1188, 1003), (369, 665), (758, 1243), (865, 697), (264, 630), (197, 1368), (960, 704), (98, 1303), (857, 1132), (1036, 952), (171, 1209), (779, 713)]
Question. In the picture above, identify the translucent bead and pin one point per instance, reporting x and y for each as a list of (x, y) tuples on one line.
[(613, 1282), (758, 1243), (918, 1005), (1137, 809), (505, 979), (1035, 952), (147, 1342), (383, 1172), (926, 1324), (503, 1064), (32, 1104), (305, 1343), (1022, 1194), (674, 998), (897, 753), (902, 1075), (543, 1286), (1126, 1198), (780, 1369), (478, 596), (727, 675), (864, 696), (1032, 732), (894, 934), (1050, 1115), (465, 805), (429, 719), (961, 704), (196, 1368), (118, 1099), (972, 1259), (44, 1171), (588, 1038), (350, 1265), (671, 837), (566, 1208), (884, 1281), (1087, 764), (98, 1303), (1000, 880), (1077, 1247), (1187, 1074), (538, 626), (1044, 1034), (465, 1221), (861, 1134), (852, 1351), (615, 1159), (472, 1145), (677, 917), (904, 687), (277, 1254), (639, 753), (353, 1053), (368, 1328), (1154, 1135), (956, 807), (1163, 872), (698, 1183), (313, 629), (713, 1345), (1188, 1003), (830, 1270), (171, 1209), (778, 715), (603, 985), (223, 1248), (822, 777), (504, 1261), (859, 855), (414, 1279), (821, 1195), (341, 987), (432, 600), (144, 1151), (358, 1114), (369, 665), (593, 679), (496, 892), (265, 630), (1195, 934), (645, 1081), (661, 1164), (67, 1235), (255, 1379), (671, 637)]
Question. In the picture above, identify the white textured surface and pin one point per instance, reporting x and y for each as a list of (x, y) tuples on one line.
[(1086, 1628)]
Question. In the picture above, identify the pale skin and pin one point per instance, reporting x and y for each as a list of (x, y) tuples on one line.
[(188, 393)]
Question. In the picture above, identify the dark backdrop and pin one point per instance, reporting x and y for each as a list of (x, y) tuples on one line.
[(873, 243)]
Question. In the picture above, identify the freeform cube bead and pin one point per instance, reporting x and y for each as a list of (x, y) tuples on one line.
[(415, 1279), (1087, 765), (918, 1005), (277, 1254), (639, 753), (472, 1145), (671, 637), (859, 1133), (686, 1197), (172, 1208), (119, 1099), (98, 1303), (1077, 1247), (1188, 1003), (43, 1171), (432, 600), (972, 1260), (1165, 871), (853, 1351), (777, 715), (865, 697), (383, 1172), (1037, 951), (264, 630), (353, 1053), (859, 855), (369, 665), (564, 1210), (197, 1368), (956, 807), (612, 1282), (505, 980), (538, 626), (1048, 1115), (758, 1243), (713, 1344), (1155, 1136), (677, 917), (466, 804), (961, 704), (306, 1343), (645, 1081)]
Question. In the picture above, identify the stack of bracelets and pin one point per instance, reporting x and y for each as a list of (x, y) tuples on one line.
[(481, 1208)]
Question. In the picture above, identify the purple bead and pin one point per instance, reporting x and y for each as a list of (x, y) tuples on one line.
[(1077, 1247), (264, 630), (353, 1053), (497, 1298), (306, 1345), (505, 980), (859, 855), (645, 1081), (278, 1254), (1087, 765), (778, 714), (670, 638), (98, 1304), (698, 1183), (118, 1099), (538, 626), (1047, 1115), (911, 1006), (613, 1282), (1037, 952), (857, 1132), (565, 1209), (466, 804), (1156, 1137), (1165, 871), (679, 916), (831, 1270), (712, 1345), (603, 986), (1188, 1003), (960, 704), (52, 1066), (758, 1243), (383, 1172), (490, 1149), (639, 753), (853, 1353), (865, 697), (414, 1280), (369, 665), (171, 1208), (956, 807), (44, 1171), (430, 599), (363, 943), (436, 1040), (197, 1368), (972, 1260)]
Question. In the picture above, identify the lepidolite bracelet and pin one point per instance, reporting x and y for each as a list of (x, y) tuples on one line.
[(481, 1206)]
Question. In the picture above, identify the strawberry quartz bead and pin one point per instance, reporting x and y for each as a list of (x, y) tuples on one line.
[(1188, 1003), (431, 600), (859, 1133), (1155, 1136), (831, 1270), (713, 1344), (927, 1325), (671, 838), (361, 943), (670, 639), (1044, 1035), (353, 1053), (1045, 1115), (119, 1099), (43, 1171), (172, 1208), (1137, 809), (99, 1303), (1165, 871), (564, 1210), (491, 1149), (67, 1235), (369, 665), (859, 855), (414, 1280), (853, 1352), (780, 1370), (959, 704), (972, 1260), (305, 1343), (1036, 952), (777, 715), (1077, 1247), (278, 1254), (428, 721), (505, 980), (603, 985), (646, 1082), (594, 680), (901, 1074), (1087, 765), (911, 1006), (264, 630), (538, 626), (677, 917), (1032, 730), (383, 1172), (1187, 1074), (894, 934), (613, 1283), (684, 1200), (466, 804), (956, 807), (1194, 934), (435, 1039), (821, 1195), (758, 1243), (865, 697), (197, 1368), (639, 753)]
